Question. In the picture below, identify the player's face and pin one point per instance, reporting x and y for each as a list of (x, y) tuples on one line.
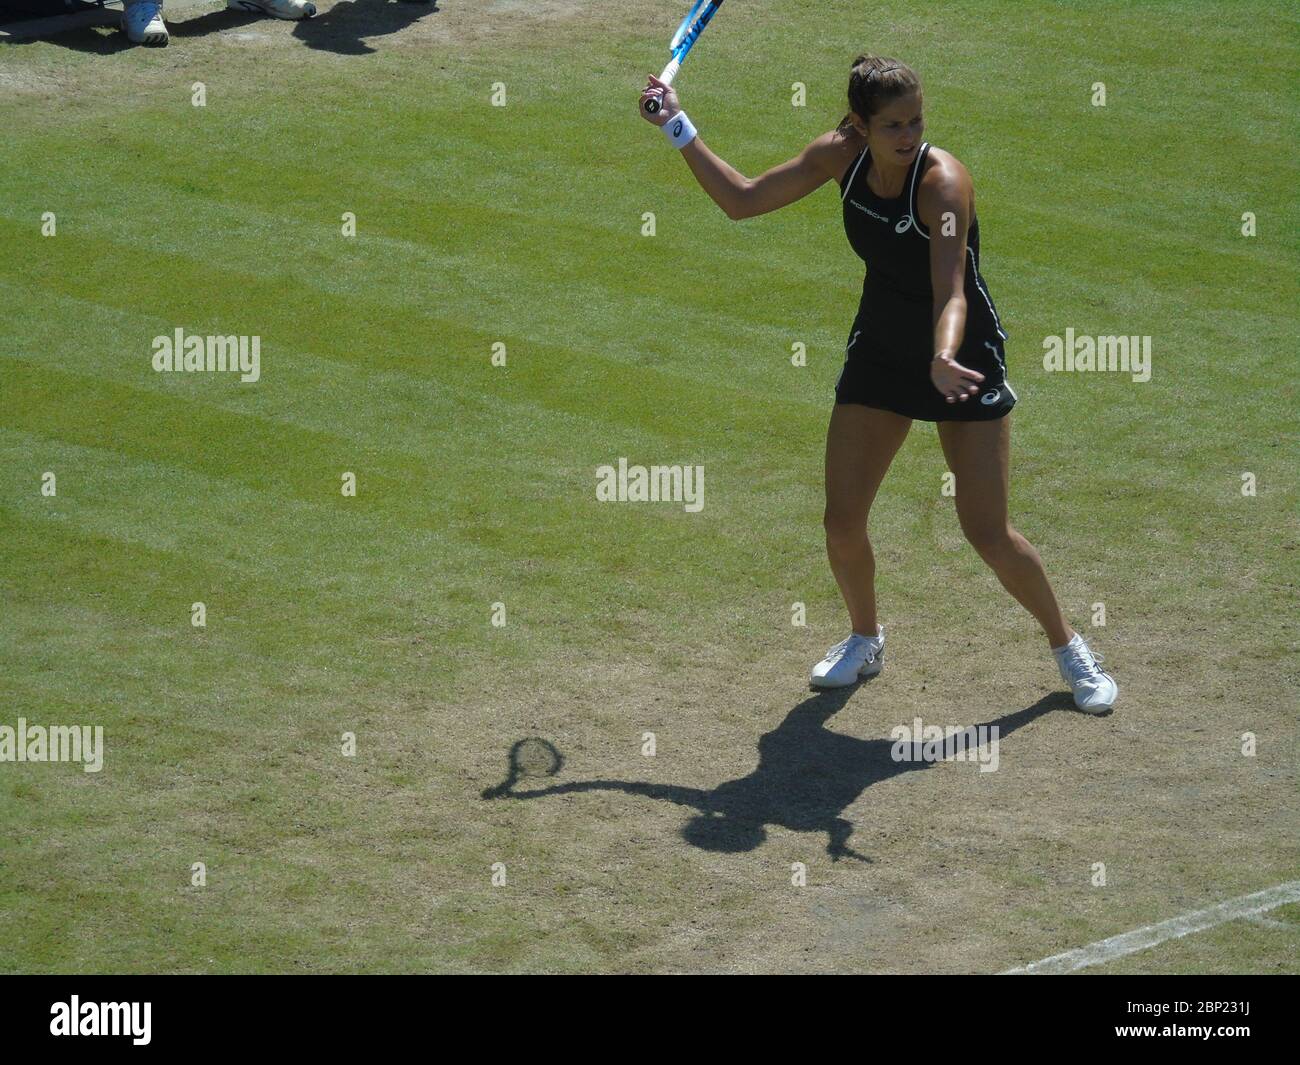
[(895, 131)]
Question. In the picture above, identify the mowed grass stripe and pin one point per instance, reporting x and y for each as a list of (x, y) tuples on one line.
[(461, 557), (392, 299), (377, 330), (586, 418), (316, 545), (546, 394)]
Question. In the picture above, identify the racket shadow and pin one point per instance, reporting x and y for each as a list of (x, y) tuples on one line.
[(807, 776)]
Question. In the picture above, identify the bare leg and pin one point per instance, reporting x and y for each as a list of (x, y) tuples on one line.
[(860, 445), (979, 453)]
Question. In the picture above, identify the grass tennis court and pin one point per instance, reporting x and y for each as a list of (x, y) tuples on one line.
[(522, 225)]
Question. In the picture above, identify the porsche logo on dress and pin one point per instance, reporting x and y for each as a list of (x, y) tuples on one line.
[(868, 210)]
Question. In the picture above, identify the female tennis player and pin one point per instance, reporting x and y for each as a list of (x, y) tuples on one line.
[(926, 343)]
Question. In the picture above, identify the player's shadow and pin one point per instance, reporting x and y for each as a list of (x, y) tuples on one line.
[(341, 29), (806, 777)]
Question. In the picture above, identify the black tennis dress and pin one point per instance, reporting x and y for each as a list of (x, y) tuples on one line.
[(891, 344)]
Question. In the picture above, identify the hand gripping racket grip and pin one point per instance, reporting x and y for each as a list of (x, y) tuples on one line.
[(670, 72)]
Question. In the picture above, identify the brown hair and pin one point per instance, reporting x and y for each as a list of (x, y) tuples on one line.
[(875, 81)]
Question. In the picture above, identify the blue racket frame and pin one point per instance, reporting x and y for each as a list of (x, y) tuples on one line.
[(691, 27)]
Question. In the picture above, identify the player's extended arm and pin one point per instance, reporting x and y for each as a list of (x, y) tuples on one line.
[(739, 196), (742, 197), (944, 207), (944, 203)]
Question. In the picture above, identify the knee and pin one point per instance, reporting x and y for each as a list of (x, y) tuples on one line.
[(844, 532), (991, 540)]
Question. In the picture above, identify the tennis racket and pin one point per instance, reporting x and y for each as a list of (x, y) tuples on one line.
[(701, 12)]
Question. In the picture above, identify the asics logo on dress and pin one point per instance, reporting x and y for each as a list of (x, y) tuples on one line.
[(989, 398), (854, 339), (904, 224)]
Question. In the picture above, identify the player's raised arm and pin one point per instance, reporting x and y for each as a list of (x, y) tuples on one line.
[(739, 196)]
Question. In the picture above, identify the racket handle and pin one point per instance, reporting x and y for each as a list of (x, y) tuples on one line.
[(670, 72)]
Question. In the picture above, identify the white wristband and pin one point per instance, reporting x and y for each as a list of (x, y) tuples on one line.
[(679, 130)]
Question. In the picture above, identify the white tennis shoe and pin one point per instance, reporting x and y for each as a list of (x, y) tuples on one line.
[(292, 10), (850, 661), (1094, 691), (143, 23)]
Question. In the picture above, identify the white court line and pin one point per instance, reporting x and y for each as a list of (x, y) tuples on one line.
[(1268, 922), (1175, 928)]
